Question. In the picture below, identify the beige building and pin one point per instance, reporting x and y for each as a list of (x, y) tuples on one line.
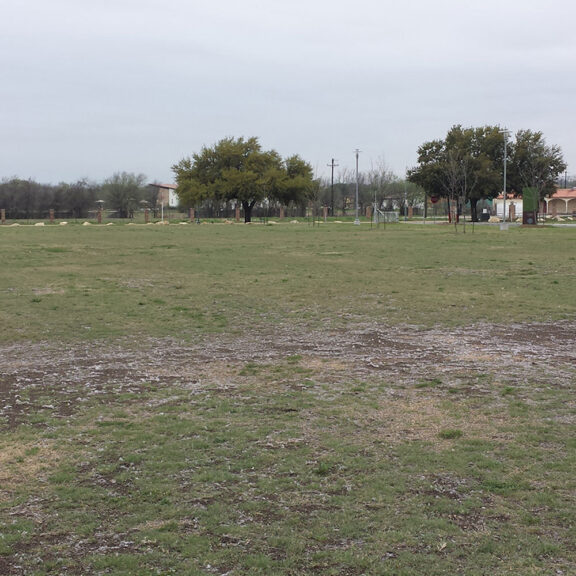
[(561, 203)]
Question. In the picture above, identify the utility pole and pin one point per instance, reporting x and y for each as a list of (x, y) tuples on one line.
[(505, 133), (357, 219), (405, 202), (332, 165)]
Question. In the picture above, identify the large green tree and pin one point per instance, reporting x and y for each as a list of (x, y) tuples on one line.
[(534, 164), (237, 169), (468, 164), (297, 184), (464, 167)]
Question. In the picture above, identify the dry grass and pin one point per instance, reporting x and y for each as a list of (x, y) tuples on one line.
[(26, 464)]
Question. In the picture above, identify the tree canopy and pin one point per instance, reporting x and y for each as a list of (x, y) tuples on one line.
[(534, 163), (238, 169), (468, 164), (465, 166)]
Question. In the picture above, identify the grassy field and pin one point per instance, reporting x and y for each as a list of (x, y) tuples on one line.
[(68, 283), (287, 399)]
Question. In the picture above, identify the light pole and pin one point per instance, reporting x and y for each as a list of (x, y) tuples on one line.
[(505, 134), (405, 202), (357, 219)]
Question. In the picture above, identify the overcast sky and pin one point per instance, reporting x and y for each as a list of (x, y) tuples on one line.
[(92, 87)]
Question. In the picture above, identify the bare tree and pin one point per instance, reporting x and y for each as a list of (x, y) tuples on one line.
[(380, 179)]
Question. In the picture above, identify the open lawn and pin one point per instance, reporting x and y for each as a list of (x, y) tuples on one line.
[(287, 400)]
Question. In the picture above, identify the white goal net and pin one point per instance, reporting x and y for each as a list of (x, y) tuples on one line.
[(381, 217)]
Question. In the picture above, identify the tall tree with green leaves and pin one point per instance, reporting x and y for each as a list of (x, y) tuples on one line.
[(468, 164), (534, 163), (238, 169), (297, 184), (464, 167)]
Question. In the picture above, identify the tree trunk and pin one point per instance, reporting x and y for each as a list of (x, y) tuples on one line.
[(473, 210), (247, 207)]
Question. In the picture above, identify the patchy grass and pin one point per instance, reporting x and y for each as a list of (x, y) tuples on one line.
[(277, 476), (286, 400)]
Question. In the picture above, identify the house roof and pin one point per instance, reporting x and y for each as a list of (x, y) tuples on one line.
[(560, 193), (509, 196), (167, 186), (564, 193)]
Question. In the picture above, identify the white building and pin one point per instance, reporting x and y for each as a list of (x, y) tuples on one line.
[(167, 195), (513, 207)]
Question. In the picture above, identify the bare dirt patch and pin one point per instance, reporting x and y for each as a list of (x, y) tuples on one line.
[(56, 378), (430, 381)]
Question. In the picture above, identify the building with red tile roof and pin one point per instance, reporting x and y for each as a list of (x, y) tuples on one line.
[(563, 202)]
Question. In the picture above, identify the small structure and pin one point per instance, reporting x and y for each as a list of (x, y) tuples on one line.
[(514, 206)]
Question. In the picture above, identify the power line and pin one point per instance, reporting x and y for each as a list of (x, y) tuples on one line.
[(357, 219)]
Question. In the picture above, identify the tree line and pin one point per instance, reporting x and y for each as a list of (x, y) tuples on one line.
[(464, 167), (121, 194)]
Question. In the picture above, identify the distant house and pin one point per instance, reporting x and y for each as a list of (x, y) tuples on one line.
[(562, 202), (167, 195)]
